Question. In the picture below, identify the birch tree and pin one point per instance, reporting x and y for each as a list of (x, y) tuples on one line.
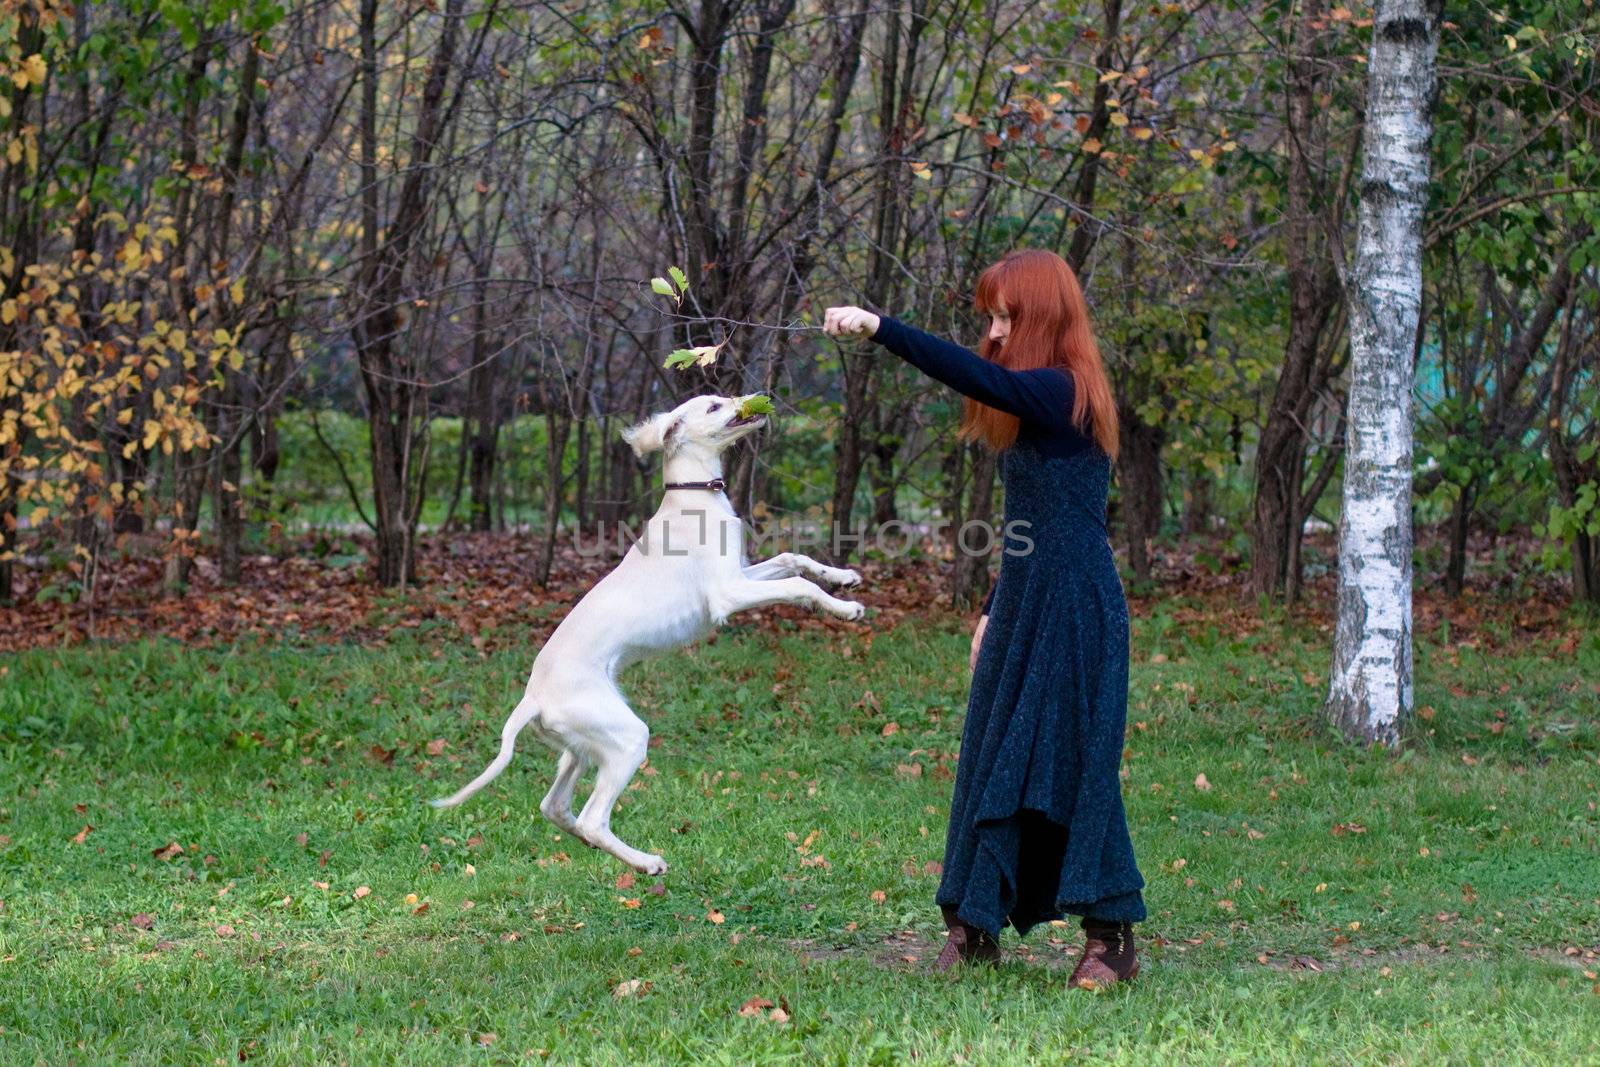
[(1370, 693)]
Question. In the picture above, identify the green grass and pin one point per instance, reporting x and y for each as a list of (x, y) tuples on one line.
[(1486, 843)]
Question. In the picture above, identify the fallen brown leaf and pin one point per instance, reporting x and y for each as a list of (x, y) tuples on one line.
[(754, 1006)]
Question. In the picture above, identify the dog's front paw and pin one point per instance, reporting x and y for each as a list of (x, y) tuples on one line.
[(842, 579), (649, 864), (851, 612)]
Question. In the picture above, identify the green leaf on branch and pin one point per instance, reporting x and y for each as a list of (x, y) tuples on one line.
[(681, 278), (683, 358), (664, 288)]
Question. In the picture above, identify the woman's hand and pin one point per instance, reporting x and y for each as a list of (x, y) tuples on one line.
[(977, 641), (840, 321)]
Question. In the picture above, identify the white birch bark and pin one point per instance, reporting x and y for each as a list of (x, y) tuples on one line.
[(1369, 691)]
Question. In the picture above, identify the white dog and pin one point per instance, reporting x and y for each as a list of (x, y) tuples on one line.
[(681, 579)]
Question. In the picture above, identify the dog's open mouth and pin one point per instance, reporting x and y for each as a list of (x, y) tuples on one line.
[(747, 420)]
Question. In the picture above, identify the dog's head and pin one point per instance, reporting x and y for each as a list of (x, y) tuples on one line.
[(712, 422)]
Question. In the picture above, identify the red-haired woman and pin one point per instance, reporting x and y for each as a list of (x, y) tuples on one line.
[(1037, 826)]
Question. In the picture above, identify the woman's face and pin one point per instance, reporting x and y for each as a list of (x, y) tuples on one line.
[(1000, 326)]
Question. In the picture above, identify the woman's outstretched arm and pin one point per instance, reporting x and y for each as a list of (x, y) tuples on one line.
[(1042, 397)]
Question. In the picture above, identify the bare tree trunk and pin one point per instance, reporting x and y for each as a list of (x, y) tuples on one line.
[(1369, 692), (1313, 295), (1139, 478), (228, 501), (189, 478), (481, 429), (972, 570), (1455, 571), (557, 426), (19, 231), (855, 439), (1573, 473), (396, 404), (1087, 233)]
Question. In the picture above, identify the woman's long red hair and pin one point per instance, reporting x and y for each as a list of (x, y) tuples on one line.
[(1049, 328)]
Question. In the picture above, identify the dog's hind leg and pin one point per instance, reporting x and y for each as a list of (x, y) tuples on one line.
[(620, 742), (557, 804)]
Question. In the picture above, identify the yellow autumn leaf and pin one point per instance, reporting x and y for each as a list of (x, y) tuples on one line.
[(236, 290), (1092, 145), (1142, 133), (1119, 120)]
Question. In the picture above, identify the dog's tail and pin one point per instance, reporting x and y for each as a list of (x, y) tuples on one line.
[(526, 712)]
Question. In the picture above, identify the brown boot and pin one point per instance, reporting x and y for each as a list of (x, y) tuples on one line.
[(1108, 956), (964, 944)]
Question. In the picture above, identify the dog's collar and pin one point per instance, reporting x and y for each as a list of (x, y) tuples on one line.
[(716, 485)]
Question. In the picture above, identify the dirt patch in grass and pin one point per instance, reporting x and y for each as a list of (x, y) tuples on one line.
[(1579, 957)]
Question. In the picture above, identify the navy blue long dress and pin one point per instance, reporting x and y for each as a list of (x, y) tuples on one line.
[(1037, 826)]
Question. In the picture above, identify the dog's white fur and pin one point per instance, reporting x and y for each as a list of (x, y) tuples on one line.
[(676, 583)]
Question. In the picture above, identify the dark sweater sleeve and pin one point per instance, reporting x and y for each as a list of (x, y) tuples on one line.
[(989, 599), (1042, 397)]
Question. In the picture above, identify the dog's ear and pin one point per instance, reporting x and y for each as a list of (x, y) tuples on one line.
[(653, 434)]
